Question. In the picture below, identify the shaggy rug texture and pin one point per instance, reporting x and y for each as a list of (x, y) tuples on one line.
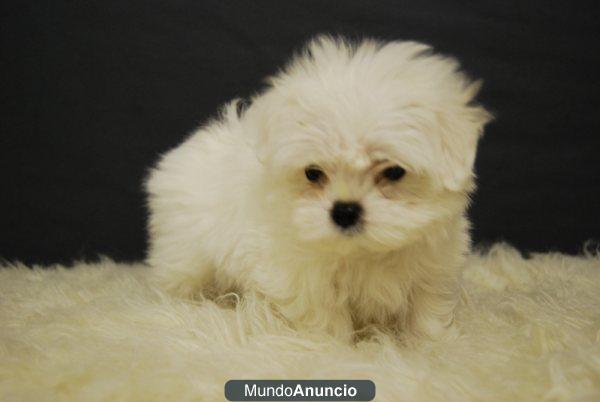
[(529, 331)]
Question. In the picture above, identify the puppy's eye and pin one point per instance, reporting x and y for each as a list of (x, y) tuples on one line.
[(393, 173), (314, 174)]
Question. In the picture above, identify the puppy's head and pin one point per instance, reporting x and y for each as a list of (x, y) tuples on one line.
[(367, 145)]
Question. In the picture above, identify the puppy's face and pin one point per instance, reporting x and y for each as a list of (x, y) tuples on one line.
[(364, 156)]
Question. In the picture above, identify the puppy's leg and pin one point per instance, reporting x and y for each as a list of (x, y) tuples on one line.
[(432, 313)]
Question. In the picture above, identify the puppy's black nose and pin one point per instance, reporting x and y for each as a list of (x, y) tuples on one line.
[(346, 214)]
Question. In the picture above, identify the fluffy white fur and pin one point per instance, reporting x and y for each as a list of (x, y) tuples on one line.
[(231, 208), (529, 331)]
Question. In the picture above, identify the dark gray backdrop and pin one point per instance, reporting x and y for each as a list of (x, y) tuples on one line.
[(93, 91)]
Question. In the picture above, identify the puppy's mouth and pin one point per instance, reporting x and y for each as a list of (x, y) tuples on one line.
[(351, 231)]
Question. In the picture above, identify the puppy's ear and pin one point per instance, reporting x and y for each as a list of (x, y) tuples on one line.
[(261, 122), (268, 116), (460, 129)]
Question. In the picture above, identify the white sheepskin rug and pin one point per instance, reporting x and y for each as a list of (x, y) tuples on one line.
[(530, 331)]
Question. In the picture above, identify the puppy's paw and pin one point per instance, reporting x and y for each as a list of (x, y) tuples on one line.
[(436, 328), (438, 331), (182, 286), (336, 323)]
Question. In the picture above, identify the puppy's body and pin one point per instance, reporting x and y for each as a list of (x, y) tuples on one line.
[(239, 205)]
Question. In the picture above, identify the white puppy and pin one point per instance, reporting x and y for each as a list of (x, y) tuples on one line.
[(338, 195)]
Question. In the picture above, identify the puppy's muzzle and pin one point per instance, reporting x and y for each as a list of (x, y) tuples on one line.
[(346, 214)]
